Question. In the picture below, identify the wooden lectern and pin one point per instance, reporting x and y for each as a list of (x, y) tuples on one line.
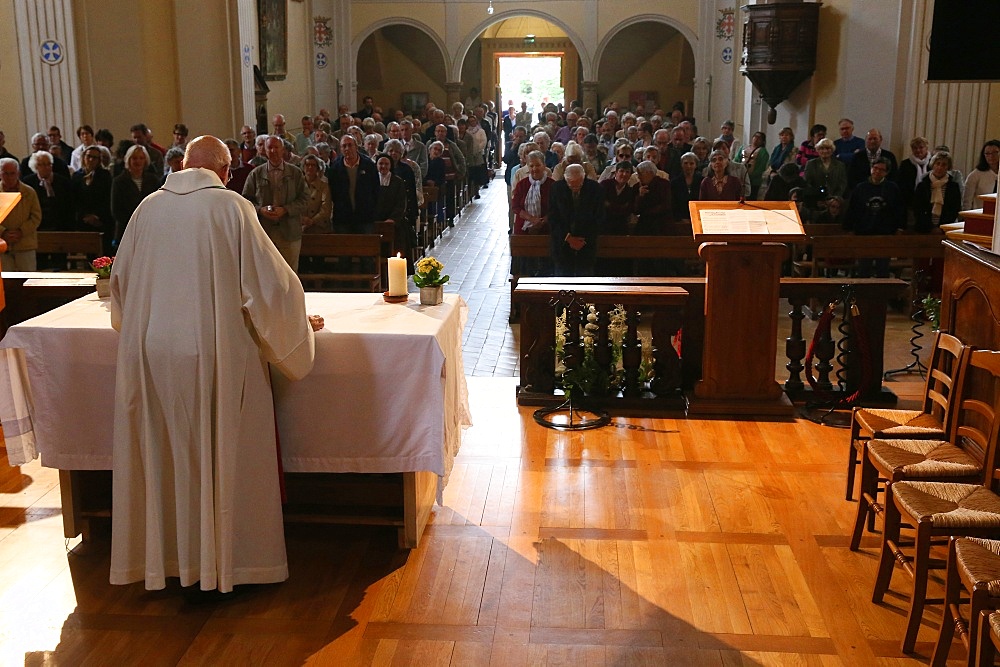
[(743, 248)]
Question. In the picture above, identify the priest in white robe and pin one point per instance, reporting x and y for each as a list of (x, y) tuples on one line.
[(204, 303)]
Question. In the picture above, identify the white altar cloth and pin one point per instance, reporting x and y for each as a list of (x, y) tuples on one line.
[(387, 392)]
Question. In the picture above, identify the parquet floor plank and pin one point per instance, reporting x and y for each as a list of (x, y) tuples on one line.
[(723, 543)]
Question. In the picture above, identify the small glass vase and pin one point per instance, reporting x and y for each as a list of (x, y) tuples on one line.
[(103, 288), (432, 296)]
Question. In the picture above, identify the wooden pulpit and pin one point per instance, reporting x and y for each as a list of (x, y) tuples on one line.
[(743, 248)]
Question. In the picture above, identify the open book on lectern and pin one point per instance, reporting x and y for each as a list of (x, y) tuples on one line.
[(748, 221)]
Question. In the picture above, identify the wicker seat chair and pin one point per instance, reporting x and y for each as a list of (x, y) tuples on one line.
[(973, 571), (938, 510), (957, 457), (988, 640), (928, 423)]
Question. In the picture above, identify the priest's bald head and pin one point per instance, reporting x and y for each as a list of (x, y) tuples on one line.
[(208, 152)]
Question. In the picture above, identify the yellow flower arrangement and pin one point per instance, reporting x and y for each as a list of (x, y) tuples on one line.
[(427, 273)]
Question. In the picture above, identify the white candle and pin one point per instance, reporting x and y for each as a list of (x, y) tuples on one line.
[(397, 276)]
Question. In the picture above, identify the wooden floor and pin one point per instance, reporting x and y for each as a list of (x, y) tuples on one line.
[(652, 541)]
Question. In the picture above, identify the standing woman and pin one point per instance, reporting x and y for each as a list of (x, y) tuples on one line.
[(391, 207), (530, 206), (687, 188), (807, 151), (135, 183), (316, 217), (755, 157), (701, 149), (938, 197), (92, 195), (825, 175), (784, 153), (983, 179), (719, 185)]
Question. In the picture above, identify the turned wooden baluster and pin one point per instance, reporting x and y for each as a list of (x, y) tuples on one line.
[(666, 322), (823, 353), (795, 347), (632, 353)]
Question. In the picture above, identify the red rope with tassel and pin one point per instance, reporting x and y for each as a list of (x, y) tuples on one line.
[(823, 328)]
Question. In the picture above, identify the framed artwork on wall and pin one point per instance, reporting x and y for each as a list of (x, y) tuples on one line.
[(644, 98), (413, 102), (273, 38)]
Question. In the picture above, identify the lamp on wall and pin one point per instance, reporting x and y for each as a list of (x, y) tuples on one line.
[(489, 10)]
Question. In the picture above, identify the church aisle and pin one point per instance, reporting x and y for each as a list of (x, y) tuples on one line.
[(476, 255)]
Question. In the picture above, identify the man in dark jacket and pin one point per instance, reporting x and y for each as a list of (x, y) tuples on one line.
[(576, 215), (876, 208), (354, 186)]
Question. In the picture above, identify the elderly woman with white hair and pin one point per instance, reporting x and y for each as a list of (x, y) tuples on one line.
[(530, 207), (574, 154), (135, 183), (55, 193), (825, 176)]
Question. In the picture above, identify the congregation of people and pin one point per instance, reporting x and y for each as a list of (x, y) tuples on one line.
[(343, 174), (650, 169), (335, 175)]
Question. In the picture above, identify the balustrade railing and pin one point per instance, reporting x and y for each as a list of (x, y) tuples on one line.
[(669, 314)]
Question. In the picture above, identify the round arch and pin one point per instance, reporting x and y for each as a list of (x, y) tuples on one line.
[(685, 31), (399, 20), (500, 15)]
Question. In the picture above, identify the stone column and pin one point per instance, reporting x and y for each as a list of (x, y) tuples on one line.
[(453, 89), (590, 96)]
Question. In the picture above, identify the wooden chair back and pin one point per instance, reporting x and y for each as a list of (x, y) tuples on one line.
[(948, 356), (975, 424)]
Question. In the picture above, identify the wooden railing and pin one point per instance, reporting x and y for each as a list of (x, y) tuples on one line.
[(537, 335), (661, 307)]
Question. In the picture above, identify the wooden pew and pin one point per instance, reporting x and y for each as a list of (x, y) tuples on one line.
[(675, 246), (831, 250), (79, 248), (360, 255), (71, 243)]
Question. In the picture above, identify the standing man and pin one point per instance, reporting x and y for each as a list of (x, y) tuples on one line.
[(248, 145), (279, 128), (354, 187), (196, 488), (140, 136), (304, 139), (876, 208), (848, 145), (861, 166), (278, 190), (413, 147), (576, 215), (19, 227)]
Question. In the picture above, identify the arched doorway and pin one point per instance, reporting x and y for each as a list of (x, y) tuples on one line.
[(531, 56), (401, 67), (647, 63)]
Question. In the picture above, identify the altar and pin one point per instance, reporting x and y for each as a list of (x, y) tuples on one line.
[(386, 395)]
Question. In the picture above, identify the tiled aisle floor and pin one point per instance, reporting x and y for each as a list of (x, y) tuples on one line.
[(476, 255)]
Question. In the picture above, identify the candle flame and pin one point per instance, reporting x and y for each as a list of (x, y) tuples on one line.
[(399, 254)]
